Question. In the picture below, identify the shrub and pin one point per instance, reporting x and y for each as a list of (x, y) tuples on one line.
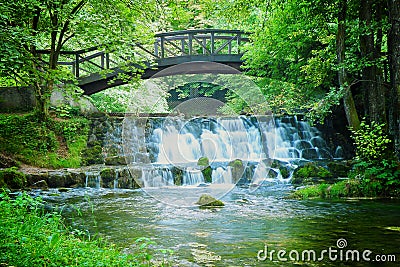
[(376, 165)]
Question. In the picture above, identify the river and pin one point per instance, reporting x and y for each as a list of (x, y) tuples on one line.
[(239, 234)]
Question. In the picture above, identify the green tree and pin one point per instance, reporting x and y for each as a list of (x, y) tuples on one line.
[(27, 27)]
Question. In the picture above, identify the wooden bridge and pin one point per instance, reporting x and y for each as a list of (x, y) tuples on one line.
[(97, 70)]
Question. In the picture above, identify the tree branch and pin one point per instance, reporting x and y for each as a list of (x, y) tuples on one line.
[(64, 29)]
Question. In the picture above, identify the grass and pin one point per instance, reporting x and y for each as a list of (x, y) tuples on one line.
[(31, 237), (56, 143)]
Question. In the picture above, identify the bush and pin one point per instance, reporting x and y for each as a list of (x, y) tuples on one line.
[(376, 166)]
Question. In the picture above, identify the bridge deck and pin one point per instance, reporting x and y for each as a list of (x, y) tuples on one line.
[(97, 69)]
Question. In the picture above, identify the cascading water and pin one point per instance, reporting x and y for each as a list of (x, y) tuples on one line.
[(255, 141), (222, 176)]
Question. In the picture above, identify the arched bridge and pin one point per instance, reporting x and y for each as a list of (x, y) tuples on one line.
[(97, 70)]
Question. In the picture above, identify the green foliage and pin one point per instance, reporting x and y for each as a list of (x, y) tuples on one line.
[(371, 142), (377, 166), (12, 178), (310, 170), (54, 143), (31, 237), (65, 111), (197, 89), (346, 188), (131, 98)]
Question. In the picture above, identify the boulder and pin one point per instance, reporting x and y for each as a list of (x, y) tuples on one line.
[(206, 200), (237, 169), (12, 178), (339, 168), (310, 173), (42, 184), (116, 160), (204, 165)]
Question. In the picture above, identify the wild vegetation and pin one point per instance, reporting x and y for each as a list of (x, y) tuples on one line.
[(54, 143), (30, 236)]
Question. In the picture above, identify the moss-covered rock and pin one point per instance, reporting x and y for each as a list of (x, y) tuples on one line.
[(92, 155), (178, 175), (42, 184), (207, 174), (309, 173), (340, 168), (203, 161), (285, 172), (107, 176), (63, 189), (237, 169), (206, 170), (117, 160), (206, 200), (12, 178)]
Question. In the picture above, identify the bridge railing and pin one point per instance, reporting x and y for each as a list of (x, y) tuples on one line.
[(199, 42), (96, 60), (167, 45)]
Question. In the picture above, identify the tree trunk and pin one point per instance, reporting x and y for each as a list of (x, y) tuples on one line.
[(348, 101), (374, 98), (394, 63)]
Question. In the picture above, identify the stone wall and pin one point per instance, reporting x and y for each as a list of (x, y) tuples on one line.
[(22, 99), (16, 99)]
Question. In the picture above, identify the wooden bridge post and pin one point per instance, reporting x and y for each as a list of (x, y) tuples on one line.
[(156, 48), (190, 43), (77, 65), (107, 60), (162, 47), (102, 60), (238, 39), (212, 44), (183, 47)]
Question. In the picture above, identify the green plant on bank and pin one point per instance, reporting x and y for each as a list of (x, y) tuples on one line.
[(346, 188), (311, 169), (377, 167), (55, 143), (375, 174), (65, 111), (31, 237)]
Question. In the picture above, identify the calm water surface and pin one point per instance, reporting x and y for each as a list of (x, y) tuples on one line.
[(235, 234)]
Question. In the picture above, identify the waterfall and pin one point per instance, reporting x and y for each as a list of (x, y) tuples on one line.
[(157, 177), (257, 141), (222, 176), (92, 179), (192, 176)]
